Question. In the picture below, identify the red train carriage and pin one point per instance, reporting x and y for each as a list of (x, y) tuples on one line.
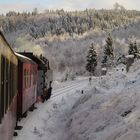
[(42, 69), (8, 89), (45, 75), (27, 84)]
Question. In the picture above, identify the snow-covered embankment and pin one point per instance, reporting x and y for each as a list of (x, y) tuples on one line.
[(110, 110)]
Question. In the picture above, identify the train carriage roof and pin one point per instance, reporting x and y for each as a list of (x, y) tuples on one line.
[(2, 35), (24, 59), (41, 64)]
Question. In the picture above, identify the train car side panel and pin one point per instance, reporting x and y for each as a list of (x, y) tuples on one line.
[(8, 90), (28, 81)]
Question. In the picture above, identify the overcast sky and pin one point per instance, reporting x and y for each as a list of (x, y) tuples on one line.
[(28, 5)]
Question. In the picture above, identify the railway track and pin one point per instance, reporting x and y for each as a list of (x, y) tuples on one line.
[(67, 88)]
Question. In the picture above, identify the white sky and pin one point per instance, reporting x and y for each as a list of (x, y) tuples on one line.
[(28, 5)]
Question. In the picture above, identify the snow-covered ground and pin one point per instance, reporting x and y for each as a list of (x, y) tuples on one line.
[(49, 120), (108, 109)]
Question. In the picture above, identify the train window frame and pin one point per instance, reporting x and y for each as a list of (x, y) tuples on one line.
[(6, 84), (12, 79), (15, 79), (33, 76), (30, 76), (27, 79), (11, 82), (24, 79)]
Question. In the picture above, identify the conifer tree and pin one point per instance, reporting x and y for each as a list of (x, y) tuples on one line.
[(108, 50), (133, 50), (91, 59), (109, 47)]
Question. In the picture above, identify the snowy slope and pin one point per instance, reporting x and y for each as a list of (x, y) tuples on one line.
[(110, 110)]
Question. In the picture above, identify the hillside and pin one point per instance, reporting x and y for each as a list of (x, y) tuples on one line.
[(64, 37), (109, 110), (61, 22)]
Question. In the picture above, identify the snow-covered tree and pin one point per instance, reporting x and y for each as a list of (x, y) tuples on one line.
[(108, 50), (133, 50), (91, 59), (109, 47)]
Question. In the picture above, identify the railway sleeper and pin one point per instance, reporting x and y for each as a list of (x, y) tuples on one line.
[(25, 115), (32, 108), (15, 134), (18, 127)]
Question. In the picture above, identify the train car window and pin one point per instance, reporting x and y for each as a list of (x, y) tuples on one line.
[(27, 79), (30, 77), (6, 85), (24, 78), (34, 76), (12, 79), (10, 84), (16, 76), (2, 85), (15, 79)]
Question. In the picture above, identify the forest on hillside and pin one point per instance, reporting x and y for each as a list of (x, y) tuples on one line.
[(61, 22), (65, 37)]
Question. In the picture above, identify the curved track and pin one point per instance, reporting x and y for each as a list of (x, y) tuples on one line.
[(68, 88)]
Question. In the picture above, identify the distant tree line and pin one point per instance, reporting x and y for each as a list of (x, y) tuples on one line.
[(60, 22)]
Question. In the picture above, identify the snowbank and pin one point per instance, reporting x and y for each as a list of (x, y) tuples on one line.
[(108, 111)]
